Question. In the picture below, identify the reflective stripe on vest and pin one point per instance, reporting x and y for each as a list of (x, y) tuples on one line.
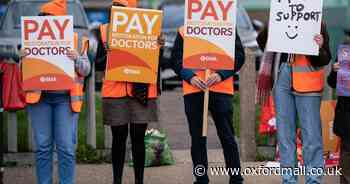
[(305, 77), (76, 93), (113, 89), (225, 86)]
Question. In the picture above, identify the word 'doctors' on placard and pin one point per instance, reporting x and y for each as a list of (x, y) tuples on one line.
[(293, 26), (46, 41), (210, 34)]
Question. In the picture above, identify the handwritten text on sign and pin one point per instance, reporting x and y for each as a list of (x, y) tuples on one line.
[(209, 34), (293, 26), (133, 40), (46, 40)]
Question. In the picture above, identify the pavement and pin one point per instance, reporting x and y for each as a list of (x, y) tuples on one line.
[(173, 121), (180, 173)]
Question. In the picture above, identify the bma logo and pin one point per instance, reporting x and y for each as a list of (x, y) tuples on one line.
[(129, 71), (48, 79)]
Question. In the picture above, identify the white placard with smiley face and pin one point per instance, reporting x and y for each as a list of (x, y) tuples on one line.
[(293, 26)]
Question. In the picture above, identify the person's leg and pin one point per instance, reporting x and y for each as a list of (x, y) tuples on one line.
[(40, 115), (137, 134), (65, 130), (308, 108), (286, 123), (221, 108), (194, 114), (120, 134), (345, 162)]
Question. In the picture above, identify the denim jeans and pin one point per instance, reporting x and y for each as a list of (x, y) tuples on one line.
[(54, 124), (220, 106), (288, 106)]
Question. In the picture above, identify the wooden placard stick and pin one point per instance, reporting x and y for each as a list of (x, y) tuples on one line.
[(206, 106)]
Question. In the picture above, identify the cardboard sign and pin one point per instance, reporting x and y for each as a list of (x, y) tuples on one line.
[(293, 26), (343, 76), (330, 140), (210, 33), (47, 39), (132, 38)]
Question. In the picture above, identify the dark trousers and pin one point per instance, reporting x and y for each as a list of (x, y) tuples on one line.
[(345, 161), (220, 106), (120, 134)]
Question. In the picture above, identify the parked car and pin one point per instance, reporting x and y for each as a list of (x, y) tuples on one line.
[(10, 25), (173, 18)]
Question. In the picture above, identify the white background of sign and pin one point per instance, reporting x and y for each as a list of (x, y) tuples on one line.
[(304, 43)]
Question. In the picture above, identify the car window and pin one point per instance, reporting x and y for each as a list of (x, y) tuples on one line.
[(243, 20), (19, 9), (173, 16)]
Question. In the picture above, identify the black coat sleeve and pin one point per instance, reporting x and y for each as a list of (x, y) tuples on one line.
[(332, 78), (101, 55), (325, 55), (177, 57)]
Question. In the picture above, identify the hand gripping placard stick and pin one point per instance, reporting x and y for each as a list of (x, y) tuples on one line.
[(206, 106)]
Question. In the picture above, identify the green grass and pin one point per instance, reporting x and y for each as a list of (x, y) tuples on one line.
[(260, 139), (23, 126)]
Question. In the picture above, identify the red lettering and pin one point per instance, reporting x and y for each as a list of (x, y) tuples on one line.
[(30, 26), (209, 11), (46, 30), (61, 28), (225, 9), (193, 6)]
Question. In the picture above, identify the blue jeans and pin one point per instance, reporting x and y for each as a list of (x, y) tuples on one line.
[(54, 124), (288, 106)]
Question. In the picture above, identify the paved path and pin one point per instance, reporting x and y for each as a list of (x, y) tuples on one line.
[(181, 173), (173, 120)]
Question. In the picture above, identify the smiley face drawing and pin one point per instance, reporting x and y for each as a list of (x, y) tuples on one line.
[(292, 32)]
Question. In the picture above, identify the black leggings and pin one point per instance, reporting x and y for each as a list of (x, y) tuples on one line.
[(120, 134)]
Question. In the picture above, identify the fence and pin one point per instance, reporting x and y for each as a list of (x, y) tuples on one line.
[(247, 106)]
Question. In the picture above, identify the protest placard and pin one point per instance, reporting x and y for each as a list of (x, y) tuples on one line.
[(46, 40), (293, 26), (134, 49), (210, 34), (343, 76)]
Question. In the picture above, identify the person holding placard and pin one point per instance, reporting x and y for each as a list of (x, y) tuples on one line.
[(127, 107), (340, 78), (220, 106), (54, 114), (298, 82)]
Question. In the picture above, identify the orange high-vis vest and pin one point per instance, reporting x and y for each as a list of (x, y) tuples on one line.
[(115, 89), (76, 93), (225, 86), (305, 77)]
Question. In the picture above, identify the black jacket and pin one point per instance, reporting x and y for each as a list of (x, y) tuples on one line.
[(187, 74), (341, 125)]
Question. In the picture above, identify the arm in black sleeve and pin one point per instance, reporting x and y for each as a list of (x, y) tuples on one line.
[(325, 55), (177, 57), (101, 55), (332, 78), (239, 60)]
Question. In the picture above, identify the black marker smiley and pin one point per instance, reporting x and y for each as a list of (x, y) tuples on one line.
[(292, 36)]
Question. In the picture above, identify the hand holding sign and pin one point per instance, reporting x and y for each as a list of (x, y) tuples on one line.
[(319, 40), (73, 54)]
